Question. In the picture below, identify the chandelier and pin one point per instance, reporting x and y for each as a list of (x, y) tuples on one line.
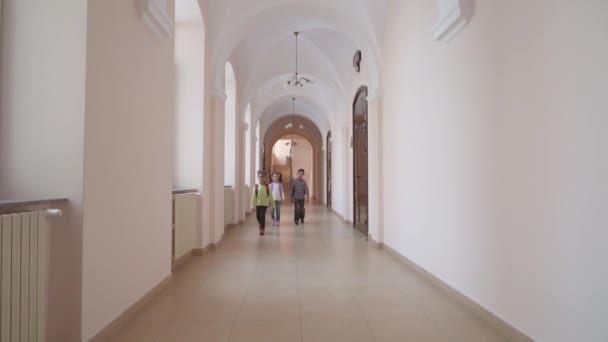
[(295, 81), (291, 126)]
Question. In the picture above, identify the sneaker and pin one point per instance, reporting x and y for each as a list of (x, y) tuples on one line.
[(272, 222), (302, 221), (262, 232), (297, 223), (278, 223)]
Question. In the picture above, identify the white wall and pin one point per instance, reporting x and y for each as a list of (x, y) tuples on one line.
[(494, 151), (230, 127), (190, 88), (129, 136), (41, 134)]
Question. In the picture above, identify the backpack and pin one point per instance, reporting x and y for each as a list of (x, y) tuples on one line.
[(256, 190)]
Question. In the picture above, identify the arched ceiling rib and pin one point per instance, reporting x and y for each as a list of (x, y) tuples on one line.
[(257, 37)]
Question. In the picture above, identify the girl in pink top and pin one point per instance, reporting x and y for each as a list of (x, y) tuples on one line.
[(276, 187)]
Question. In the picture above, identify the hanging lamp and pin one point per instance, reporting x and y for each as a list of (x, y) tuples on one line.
[(295, 81)]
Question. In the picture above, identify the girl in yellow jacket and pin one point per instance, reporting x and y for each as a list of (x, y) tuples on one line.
[(262, 198)]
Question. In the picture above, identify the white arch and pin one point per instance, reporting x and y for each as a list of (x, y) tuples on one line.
[(320, 69), (354, 23)]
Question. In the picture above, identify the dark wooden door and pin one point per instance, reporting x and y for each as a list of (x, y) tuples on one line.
[(328, 149), (360, 161)]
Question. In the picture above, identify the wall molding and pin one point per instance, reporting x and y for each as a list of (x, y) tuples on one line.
[(218, 93), (485, 315), (375, 95), (378, 245), (154, 13), (454, 16)]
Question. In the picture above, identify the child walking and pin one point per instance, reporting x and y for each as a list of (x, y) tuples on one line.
[(262, 198), (276, 187), (299, 192)]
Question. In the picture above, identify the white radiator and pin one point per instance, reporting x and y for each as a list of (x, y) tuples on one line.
[(24, 266), (184, 223)]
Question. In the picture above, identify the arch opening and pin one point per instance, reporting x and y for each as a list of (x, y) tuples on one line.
[(189, 57)]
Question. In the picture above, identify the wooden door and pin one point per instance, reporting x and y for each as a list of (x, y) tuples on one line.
[(360, 161)]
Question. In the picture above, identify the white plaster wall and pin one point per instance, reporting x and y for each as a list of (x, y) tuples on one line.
[(129, 137), (190, 89), (41, 134), (495, 153), (230, 127)]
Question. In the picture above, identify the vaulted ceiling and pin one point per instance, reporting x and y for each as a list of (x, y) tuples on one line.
[(257, 38)]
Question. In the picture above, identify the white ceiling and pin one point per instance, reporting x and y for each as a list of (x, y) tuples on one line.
[(257, 38), (187, 12)]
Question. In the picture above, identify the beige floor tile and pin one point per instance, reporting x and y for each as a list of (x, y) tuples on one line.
[(266, 331), (139, 331), (336, 331), (376, 293), (269, 310), (468, 329), (329, 309), (275, 280), (180, 293), (321, 293), (163, 308), (406, 330), (319, 280), (323, 274), (442, 308), (225, 293), (196, 331), (422, 290), (388, 309), (272, 293), (209, 310), (371, 280)]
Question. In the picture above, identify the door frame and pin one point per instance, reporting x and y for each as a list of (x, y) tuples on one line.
[(361, 90), (328, 169)]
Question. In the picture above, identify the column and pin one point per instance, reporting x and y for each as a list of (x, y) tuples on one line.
[(213, 168)]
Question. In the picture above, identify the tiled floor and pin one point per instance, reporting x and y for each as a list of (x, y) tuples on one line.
[(317, 282)]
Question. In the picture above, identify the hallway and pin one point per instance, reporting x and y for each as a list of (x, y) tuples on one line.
[(317, 282), (462, 139)]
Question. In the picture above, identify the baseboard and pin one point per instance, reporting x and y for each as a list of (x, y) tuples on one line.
[(175, 264), (379, 245), (198, 252), (110, 330), (344, 220), (491, 319)]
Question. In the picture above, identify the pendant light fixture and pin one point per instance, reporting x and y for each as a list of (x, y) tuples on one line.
[(295, 81)]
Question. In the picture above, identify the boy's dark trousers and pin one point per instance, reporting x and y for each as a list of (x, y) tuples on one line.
[(260, 212), (300, 211)]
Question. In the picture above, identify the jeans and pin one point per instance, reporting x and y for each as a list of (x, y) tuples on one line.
[(300, 211), (275, 214), (260, 212)]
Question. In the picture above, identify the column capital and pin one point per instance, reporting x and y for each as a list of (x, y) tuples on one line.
[(375, 95), (218, 94), (344, 127)]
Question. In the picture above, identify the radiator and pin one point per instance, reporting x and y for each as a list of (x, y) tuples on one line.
[(24, 265), (184, 223)]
